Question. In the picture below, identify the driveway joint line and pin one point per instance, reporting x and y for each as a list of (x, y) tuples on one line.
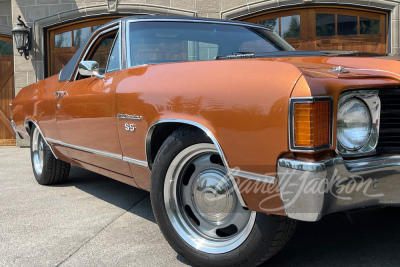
[(101, 230)]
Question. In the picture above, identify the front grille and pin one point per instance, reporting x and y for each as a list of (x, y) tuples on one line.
[(389, 131)]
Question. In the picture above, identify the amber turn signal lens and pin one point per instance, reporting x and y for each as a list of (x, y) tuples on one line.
[(311, 124)]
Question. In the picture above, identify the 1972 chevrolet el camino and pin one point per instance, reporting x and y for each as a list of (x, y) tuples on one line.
[(236, 135)]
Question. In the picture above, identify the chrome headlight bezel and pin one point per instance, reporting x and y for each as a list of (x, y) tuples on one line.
[(371, 99)]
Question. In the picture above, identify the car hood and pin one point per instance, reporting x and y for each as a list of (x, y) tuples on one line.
[(342, 67)]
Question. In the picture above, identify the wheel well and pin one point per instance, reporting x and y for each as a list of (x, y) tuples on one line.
[(28, 127), (159, 134)]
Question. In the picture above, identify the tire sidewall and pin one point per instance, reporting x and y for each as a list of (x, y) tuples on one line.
[(244, 255)]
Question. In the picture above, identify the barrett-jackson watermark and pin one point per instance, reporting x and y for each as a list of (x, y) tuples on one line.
[(293, 187)]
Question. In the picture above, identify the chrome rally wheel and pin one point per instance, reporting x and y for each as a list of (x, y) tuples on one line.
[(37, 152), (198, 211), (46, 168), (202, 204)]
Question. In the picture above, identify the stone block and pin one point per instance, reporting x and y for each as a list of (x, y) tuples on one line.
[(49, 2), (154, 9), (395, 12), (208, 6), (395, 33), (55, 9), (261, 6), (20, 79), (356, 2), (184, 4), (214, 15), (36, 12), (5, 8), (290, 2), (229, 4), (165, 3), (31, 77), (233, 13), (3, 20), (383, 4), (327, 1)]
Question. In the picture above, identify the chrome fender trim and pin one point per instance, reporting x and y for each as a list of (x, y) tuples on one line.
[(209, 134), (253, 176), (40, 131)]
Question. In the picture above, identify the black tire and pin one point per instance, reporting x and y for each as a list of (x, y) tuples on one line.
[(47, 169), (267, 235)]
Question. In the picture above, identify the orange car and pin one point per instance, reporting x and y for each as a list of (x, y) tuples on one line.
[(236, 135)]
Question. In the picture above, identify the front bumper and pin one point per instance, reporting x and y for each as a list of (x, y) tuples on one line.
[(312, 190)]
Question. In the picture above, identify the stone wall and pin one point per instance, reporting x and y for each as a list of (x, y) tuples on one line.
[(5, 17)]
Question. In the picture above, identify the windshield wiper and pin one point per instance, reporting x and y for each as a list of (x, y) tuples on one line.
[(236, 55), (321, 53)]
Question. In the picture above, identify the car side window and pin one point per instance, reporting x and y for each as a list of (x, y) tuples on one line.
[(101, 50), (114, 62)]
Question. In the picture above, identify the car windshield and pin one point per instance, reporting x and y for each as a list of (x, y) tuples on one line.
[(164, 42)]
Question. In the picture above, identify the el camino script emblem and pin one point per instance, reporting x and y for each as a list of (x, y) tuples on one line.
[(129, 117)]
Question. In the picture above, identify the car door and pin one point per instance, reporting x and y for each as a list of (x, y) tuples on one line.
[(86, 116)]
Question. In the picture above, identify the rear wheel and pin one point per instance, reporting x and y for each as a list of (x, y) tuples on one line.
[(199, 213), (47, 169)]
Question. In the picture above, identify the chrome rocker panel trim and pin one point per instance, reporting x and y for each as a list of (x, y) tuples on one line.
[(98, 152), (311, 190), (135, 161)]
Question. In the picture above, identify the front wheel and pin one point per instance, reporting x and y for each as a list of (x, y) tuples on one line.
[(199, 213), (47, 169)]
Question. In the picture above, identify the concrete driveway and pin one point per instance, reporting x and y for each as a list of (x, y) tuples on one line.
[(96, 221)]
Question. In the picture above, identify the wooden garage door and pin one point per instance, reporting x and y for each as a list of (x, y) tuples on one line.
[(7, 135), (329, 28), (64, 40)]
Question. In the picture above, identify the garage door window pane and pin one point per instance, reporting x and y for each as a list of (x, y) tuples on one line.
[(63, 39), (347, 25), (290, 26), (80, 35), (369, 26), (6, 48), (95, 27), (272, 24), (325, 24)]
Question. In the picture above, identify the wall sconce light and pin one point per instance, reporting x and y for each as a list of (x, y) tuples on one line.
[(22, 37)]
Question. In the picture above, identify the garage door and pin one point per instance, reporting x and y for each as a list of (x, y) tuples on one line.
[(326, 28), (7, 135)]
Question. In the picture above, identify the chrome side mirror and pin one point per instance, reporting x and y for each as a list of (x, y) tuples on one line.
[(89, 68)]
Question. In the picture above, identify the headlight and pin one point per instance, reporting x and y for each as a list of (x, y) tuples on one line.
[(353, 124)]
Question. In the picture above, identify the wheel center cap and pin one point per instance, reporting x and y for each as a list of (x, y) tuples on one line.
[(212, 195)]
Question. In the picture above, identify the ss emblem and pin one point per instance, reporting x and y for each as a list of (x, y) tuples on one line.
[(130, 127)]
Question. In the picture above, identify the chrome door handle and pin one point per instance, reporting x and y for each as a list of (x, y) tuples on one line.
[(60, 94)]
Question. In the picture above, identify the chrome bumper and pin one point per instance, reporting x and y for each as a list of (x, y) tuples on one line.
[(312, 190)]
